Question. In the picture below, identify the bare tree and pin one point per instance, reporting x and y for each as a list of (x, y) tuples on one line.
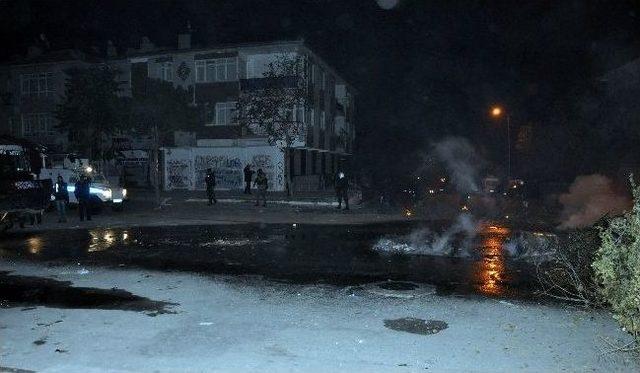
[(275, 105)]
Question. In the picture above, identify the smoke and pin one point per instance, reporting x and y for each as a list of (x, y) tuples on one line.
[(590, 198), (426, 242), (461, 161)]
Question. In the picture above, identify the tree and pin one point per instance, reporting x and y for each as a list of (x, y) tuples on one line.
[(92, 109), (274, 105), (157, 110)]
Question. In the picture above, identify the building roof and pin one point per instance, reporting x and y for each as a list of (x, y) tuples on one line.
[(54, 56)]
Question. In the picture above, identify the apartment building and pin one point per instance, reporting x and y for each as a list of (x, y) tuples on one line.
[(215, 76)]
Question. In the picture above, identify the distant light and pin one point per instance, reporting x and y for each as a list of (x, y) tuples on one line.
[(89, 169), (408, 213), (418, 177), (464, 208), (443, 179), (491, 191), (506, 217), (294, 225), (431, 191), (496, 111)]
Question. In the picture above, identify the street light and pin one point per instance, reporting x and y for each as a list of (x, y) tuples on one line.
[(497, 112)]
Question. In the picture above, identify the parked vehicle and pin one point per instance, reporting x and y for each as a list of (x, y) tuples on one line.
[(23, 198), (103, 192)]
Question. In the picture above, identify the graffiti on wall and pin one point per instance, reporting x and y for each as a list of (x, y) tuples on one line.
[(187, 167), (228, 171), (178, 175)]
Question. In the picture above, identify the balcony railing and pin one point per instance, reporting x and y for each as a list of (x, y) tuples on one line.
[(264, 83)]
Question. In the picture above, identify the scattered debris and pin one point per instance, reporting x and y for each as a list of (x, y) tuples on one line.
[(40, 342), (416, 326)]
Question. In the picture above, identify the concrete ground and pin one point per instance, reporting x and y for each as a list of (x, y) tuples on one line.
[(249, 324), (192, 209)]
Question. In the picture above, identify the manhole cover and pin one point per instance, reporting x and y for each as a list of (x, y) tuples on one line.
[(398, 285), (399, 289), (416, 326)]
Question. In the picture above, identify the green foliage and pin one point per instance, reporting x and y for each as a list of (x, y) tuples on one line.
[(269, 108), (92, 109), (161, 106), (617, 266)]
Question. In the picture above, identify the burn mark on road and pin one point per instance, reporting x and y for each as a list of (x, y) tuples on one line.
[(25, 291), (416, 326)]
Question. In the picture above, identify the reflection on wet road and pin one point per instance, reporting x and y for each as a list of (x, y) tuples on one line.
[(304, 253), (490, 268)]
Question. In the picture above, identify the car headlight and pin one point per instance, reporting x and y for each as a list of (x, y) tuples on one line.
[(124, 193), (105, 193)]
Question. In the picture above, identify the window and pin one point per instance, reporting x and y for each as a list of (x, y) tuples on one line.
[(37, 125), (224, 114), (217, 70), (165, 71), (299, 114), (40, 84)]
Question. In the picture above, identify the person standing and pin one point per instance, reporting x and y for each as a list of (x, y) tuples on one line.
[(83, 195), (61, 198), (262, 183), (210, 181), (342, 190), (248, 175)]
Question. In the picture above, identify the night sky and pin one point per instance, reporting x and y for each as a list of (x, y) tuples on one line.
[(423, 69)]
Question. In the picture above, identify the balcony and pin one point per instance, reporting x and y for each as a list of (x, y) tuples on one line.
[(264, 83)]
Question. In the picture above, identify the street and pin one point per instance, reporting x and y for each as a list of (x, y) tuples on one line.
[(279, 298)]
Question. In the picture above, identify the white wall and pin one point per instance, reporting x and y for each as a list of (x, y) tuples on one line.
[(185, 168)]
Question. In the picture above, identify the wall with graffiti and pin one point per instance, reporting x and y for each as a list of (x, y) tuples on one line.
[(186, 168)]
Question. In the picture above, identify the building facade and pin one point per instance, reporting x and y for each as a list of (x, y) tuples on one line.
[(215, 77)]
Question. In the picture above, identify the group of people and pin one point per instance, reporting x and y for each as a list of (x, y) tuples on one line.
[(261, 183), (82, 193)]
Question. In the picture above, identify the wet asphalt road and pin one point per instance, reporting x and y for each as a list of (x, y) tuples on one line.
[(295, 253)]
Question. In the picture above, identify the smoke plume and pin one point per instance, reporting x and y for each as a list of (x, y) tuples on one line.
[(461, 161), (590, 198), (454, 241)]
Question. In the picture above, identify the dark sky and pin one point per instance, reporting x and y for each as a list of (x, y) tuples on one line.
[(424, 69)]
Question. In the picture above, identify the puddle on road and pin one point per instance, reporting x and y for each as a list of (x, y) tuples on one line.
[(416, 326), (398, 285), (24, 291), (341, 255)]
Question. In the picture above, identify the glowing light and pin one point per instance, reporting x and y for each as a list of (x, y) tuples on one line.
[(124, 193), (431, 191), (408, 213), (89, 169), (34, 245), (464, 208), (496, 111)]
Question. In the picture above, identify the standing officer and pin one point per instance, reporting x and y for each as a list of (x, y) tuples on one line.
[(210, 181)]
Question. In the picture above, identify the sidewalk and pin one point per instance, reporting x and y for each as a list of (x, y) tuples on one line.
[(192, 209), (300, 198)]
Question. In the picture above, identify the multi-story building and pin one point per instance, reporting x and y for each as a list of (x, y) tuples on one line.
[(215, 76), (32, 88)]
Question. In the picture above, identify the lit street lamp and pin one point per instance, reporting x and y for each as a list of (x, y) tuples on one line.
[(497, 112)]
